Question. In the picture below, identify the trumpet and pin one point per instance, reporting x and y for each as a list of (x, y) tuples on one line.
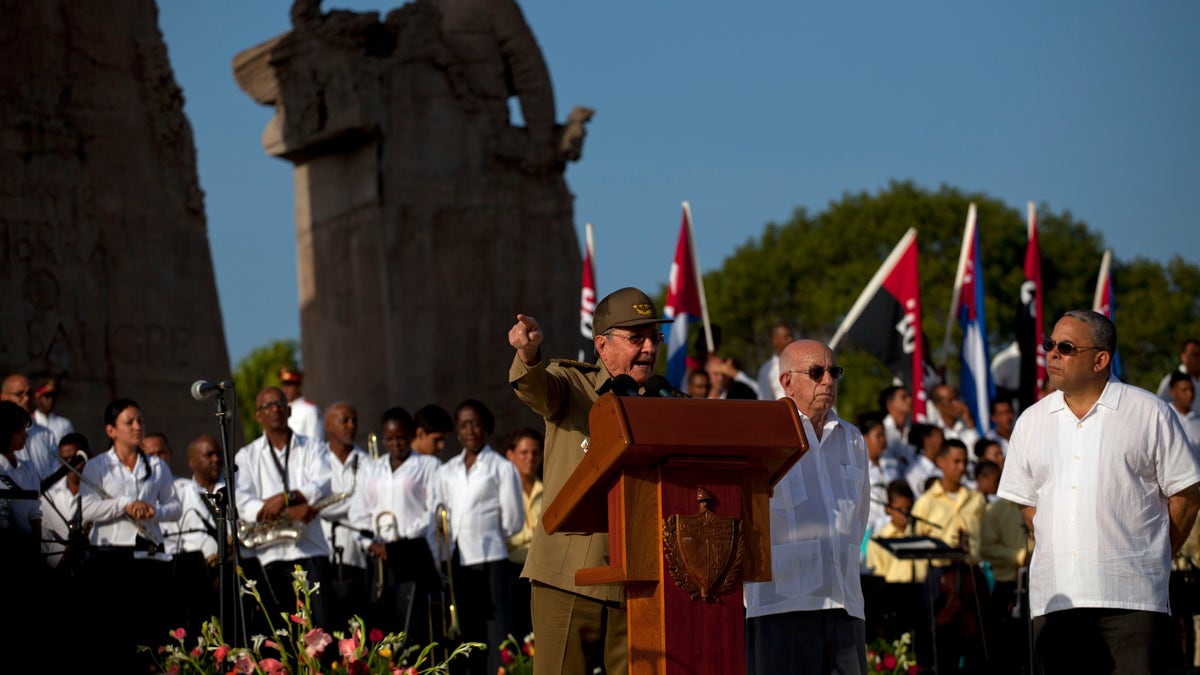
[(379, 569), (373, 448), (452, 631)]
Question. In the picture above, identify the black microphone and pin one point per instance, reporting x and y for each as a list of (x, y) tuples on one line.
[(202, 389), (337, 523), (657, 385), (624, 385)]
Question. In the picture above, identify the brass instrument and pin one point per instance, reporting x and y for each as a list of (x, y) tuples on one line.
[(142, 528), (379, 566), (282, 529), (442, 524), (373, 447)]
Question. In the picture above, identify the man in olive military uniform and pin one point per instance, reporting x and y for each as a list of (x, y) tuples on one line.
[(579, 627)]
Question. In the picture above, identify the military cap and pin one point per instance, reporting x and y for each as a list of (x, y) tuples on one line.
[(624, 308)]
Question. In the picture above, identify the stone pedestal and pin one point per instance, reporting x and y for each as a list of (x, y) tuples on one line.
[(425, 219)]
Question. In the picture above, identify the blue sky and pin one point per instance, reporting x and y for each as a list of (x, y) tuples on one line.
[(750, 111)]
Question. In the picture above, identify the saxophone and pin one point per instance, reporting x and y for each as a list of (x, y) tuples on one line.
[(282, 529)]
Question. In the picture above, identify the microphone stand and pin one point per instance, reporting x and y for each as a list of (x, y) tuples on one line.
[(227, 518)]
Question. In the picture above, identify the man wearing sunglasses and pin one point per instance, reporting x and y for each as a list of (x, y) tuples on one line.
[(1110, 486), (578, 628), (810, 617)]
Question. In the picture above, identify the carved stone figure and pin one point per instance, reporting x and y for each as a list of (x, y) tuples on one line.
[(425, 219), (106, 280)]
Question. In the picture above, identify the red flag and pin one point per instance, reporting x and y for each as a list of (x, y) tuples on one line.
[(1029, 321), (1102, 301), (587, 302), (886, 320), (685, 303)]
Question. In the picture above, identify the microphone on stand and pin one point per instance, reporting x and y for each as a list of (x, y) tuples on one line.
[(657, 385), (202, 389), (337, 523), (624, 385)]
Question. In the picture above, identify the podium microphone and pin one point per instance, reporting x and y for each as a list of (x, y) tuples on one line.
[(202, 389), (657, 385), (624, 385)]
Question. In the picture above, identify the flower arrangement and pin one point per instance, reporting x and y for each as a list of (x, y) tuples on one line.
[(298, 647), (893, 658), (517, 659)]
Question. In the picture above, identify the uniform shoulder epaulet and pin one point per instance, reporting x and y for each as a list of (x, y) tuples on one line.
[(577, 365)]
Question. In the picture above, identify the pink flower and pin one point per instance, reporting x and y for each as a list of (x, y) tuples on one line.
[(376, 635), (244, 664), (173, 670), (889, 661), (197, 652), (296, 618), (357, 668), (315, 642), (913, 669), (272, 666), (506, 657), (221, 653), (347, 647), (179, 634)]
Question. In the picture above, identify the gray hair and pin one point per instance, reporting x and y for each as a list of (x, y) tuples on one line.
[(1100, 328)]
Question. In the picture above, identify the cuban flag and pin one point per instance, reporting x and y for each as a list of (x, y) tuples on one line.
[(885, 321), (967, 303), (587, 304), (1103, 302), (685, 303)]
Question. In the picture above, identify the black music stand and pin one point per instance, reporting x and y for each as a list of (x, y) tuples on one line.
[(927, 549)]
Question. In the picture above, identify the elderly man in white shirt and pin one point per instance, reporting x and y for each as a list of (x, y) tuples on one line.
[(1110, 487), (810, 617)]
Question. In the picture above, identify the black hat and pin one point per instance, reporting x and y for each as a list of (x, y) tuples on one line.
[(624, 308)]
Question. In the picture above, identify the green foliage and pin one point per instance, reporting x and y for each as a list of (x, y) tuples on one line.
[(810, 270), (260, 368)]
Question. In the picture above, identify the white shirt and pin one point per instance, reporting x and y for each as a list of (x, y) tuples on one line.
[(124, 486), (898, 446), (919, 472), (305, 419), (40, 451), (59, 506), (346, 479), (58, 425), (968, 435), (1191, 425), (485, 505), (1100, 485), (1164, 389), (24, 511), (768, 380), (880, 475), (398, 504), (994, 436), (196, 527), (818, 518), (259, 478)]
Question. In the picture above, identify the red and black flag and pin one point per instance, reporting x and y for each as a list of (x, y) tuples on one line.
[(1029, 321), (885, 321)]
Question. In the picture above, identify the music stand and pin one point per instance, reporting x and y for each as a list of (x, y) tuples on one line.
[(927, 549)]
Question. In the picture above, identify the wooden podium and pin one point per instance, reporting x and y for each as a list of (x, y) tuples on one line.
[(682, 562)]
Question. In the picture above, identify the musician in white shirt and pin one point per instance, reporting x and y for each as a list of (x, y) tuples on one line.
[(348, 558), (482, 491), (283, 474)]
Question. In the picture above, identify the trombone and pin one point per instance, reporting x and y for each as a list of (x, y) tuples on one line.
[(442, 522), (379, 565)]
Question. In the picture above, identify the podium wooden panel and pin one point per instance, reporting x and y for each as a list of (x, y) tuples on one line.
[(646, 459)]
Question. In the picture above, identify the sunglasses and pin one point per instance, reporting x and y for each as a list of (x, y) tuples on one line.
[(639, 339), (1065, 347), (817, 373)]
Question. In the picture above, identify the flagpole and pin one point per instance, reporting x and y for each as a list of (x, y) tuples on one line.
[(967, 242), (687, 210), (1098, 298), (871, 288)]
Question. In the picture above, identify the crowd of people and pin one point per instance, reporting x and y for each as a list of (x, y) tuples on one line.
[(1044, 538)]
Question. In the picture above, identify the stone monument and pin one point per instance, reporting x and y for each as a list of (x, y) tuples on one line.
[(425, 218), (106, 279)]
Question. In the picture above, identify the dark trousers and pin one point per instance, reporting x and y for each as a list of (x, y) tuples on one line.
[(1097, 640), (482, 594), (819, 642), (138, 589), (408, 560)]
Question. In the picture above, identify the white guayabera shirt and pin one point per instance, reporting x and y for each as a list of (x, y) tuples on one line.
[(1100, 484)]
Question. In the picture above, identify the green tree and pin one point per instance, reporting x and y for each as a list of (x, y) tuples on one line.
[(810, 270), (260, 368)]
